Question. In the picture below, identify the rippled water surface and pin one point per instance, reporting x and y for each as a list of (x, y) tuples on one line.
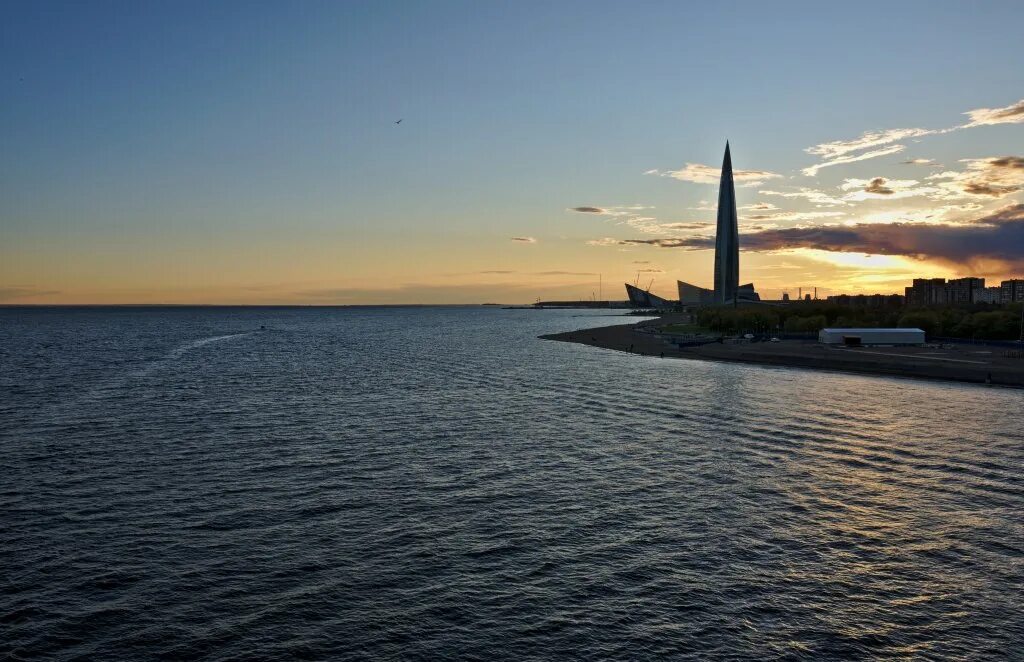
[(438, 483)]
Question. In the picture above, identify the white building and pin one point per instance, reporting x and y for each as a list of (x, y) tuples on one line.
[(871, 336)]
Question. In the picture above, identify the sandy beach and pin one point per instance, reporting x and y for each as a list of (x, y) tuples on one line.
[(980, 364)]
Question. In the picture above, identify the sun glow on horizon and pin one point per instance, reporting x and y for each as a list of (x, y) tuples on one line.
[(861, 260)]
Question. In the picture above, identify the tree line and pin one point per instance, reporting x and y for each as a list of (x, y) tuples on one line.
[(982, 321)]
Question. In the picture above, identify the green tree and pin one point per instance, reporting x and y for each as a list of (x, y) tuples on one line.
[(810, 323), (995, 325), (921, 319)]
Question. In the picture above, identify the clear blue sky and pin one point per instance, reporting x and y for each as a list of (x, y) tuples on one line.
[(128, 126)]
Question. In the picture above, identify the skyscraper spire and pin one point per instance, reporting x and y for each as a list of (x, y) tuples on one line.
[(727, 249)]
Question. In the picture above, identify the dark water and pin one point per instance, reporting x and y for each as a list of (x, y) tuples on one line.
[(438, 483)]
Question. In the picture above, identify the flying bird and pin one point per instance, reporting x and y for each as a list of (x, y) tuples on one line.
[(399, 121)]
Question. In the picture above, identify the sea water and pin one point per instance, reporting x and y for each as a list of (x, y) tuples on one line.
[(438, 483)]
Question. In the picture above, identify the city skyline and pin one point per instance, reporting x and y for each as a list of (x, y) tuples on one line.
[(251, 153)]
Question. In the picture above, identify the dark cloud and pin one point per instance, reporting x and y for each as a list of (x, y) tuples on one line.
[(1011, 114), (564, 273), (686, 242), (1008, 162), (588, 210), (878, 187), (683, 226), (997, 237), (1016, 110), (994, 176), (505, 272), (525, 240), (984, 188), (641, 261)]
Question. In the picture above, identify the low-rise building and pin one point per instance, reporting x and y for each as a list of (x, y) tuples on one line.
[(645, 299), (871, 336), (694, 294)]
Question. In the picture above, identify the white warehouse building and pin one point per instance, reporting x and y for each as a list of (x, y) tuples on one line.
[(871, 336)]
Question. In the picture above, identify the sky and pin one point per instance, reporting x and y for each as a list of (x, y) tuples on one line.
[(248, 152)]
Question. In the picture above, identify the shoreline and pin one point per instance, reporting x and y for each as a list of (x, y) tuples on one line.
[(972, 364)]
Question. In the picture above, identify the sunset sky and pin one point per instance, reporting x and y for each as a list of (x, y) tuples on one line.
[(197, 152)]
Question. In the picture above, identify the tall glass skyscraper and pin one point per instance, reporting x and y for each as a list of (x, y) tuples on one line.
[(727, 246)]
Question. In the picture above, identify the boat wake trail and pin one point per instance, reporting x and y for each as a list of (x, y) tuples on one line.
[(180, 351), (115, 386)]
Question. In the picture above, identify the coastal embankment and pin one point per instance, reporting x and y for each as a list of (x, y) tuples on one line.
[(978, 364)]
